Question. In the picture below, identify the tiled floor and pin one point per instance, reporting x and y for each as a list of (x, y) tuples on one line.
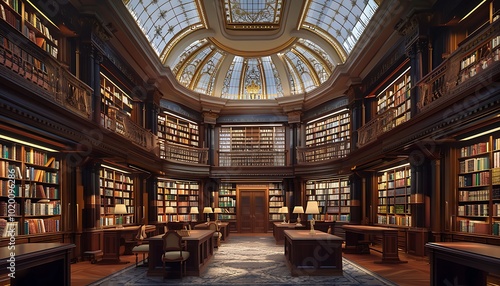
[(415, 272)]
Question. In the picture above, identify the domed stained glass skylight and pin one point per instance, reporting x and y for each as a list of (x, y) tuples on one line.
[(197, 41)]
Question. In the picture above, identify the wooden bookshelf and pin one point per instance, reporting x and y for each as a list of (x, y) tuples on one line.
[(394, 196), (395, 97), (333, 196), (30, 198), (333, 128), (115, 104), (32, 59), (251, 146), (226, 200), (182, 195), (116, 187), (178, 130), (478, 187), (26, 18), (277, 200)]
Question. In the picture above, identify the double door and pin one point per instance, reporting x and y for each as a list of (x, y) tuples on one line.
[(252, 210)]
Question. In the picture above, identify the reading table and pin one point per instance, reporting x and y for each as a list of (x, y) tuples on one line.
[(309, 254)]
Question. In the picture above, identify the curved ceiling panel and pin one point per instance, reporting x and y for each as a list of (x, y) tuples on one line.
[(205, 66)]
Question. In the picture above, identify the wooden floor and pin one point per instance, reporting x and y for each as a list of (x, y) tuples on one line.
[(415, 272)]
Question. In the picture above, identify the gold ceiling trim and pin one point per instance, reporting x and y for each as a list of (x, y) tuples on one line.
[(262, 53)]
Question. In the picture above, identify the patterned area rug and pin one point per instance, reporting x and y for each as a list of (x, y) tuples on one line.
[(248, 261)]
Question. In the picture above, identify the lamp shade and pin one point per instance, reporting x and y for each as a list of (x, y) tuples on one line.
[(194, 210), (169, 210), (217, 210), (298, 210), (120, 209), (312, 207), (207, 210), (283, 210)]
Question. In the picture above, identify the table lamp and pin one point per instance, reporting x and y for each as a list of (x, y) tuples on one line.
[(312, 208), (193, 213), (298, 210), (284, 211), (120, 209), (208, 211), (168, 211), (217, 211)]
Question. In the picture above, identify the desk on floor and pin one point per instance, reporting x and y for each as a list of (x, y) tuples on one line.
[(310, 255), (199, 244), (462, 263), (355, 233), (38, 263), (280, 227)]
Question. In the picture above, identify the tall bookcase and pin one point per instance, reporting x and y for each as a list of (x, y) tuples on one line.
[(333, 197), (116, 187), (333, 128), (30, 192), (30, 59), (396, 97), (266, 144), (277, 200), (226, 200), (175, 129), (478, 187), (394, 196), (181, 195), (27, 19), (115, 104)]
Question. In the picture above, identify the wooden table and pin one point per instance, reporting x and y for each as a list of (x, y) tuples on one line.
[(115, 237), (37, 263), (462, 263), (280, 227), (313, 254), (223, 228), (199, 244), (355, 233)]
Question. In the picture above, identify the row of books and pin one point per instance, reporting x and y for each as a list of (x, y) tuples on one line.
[(39, 225), (42, 208), (8, 228), (474, 165), (473, 210), (479, 195), (474, 179)]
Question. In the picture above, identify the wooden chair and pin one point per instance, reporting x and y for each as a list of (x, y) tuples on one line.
[(174, 251), (217, 234), (141, 246)]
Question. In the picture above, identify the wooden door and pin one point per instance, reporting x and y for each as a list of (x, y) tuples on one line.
[(252, 211)]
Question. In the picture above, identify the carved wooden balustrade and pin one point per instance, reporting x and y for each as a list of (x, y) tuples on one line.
[(377, 126), (252, 159), (181, 153), (323, 152)]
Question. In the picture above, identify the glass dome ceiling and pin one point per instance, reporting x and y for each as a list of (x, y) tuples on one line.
[(252, 49)]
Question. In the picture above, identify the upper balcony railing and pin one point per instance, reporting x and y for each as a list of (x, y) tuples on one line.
[(377, 126), (323, 152), (181, 153), (252, 159), (24, 64), (475, 58), (473, 64)]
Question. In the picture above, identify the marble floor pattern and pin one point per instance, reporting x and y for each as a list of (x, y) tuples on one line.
[(248, 261)]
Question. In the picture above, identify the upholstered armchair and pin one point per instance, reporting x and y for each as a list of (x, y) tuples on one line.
[(174, 251)]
